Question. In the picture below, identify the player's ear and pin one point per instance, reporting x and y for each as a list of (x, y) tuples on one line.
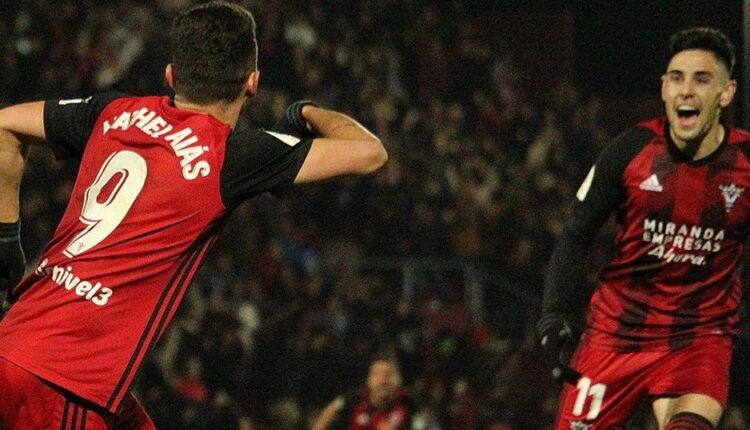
[(251, 86), (169, 76), (727, 94), (663, 87)]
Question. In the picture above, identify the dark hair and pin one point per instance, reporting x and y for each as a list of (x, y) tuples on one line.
[(707, 39), (385, 356), (213, 51)]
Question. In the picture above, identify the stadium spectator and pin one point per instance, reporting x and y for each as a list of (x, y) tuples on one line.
[(382, 404)]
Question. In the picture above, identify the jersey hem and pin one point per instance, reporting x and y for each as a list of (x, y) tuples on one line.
[(58, 382)]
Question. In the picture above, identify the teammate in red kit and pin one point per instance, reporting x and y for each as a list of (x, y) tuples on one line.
[(664, 315), (158, 178), (382, 405)]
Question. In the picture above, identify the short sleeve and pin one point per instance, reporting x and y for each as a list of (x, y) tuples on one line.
[(68, 123), (259, 161)]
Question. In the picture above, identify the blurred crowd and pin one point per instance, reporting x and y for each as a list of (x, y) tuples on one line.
[(301, 292)]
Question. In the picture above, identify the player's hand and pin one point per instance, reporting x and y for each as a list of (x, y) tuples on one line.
[(294, 122), (298, 121), (555, 334), (12, 258)]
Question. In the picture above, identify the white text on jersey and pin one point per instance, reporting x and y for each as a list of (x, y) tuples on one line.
[(673, 239), (183, 142), (65, 277)]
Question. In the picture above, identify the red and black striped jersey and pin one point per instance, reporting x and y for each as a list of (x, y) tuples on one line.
[(154, 187), (680, 232), (359, 413)]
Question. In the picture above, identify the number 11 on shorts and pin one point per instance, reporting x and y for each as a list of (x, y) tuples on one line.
[(596, 392)]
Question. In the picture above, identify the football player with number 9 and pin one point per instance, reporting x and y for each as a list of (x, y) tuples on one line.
[(158, 178)]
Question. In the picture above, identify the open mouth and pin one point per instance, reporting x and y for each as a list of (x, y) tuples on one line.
[(687, 115)]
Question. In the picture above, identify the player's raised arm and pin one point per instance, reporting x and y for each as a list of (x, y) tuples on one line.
[(62, 125), (19, 124), (24, 120), (344, 147)]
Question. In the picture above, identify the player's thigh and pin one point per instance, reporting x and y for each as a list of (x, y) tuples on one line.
[(663, 409), (701, 404), (610, 388), (693, 379)]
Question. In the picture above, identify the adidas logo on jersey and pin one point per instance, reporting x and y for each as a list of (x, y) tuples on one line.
[(651, 184)]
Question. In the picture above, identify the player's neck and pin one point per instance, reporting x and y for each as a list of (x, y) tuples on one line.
[(227, 113), (711, 141)]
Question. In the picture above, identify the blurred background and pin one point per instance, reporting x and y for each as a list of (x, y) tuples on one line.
[(492, 112)]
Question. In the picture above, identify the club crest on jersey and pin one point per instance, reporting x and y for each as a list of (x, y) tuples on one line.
[(731, 193)]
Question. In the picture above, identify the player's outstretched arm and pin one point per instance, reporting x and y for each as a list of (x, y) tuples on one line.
[(19, 125), (344, 147)]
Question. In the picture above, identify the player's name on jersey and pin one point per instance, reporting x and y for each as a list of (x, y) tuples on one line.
[(183, 142), (64, 276)]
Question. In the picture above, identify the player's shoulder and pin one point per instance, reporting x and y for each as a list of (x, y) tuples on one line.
[(646, 131), (631, 141), (739, 136), (740, 139), (94, 103), (98, 100), (121, 101), (250, 136)]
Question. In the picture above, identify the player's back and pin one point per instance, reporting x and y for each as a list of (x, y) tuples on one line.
[(145, 208)]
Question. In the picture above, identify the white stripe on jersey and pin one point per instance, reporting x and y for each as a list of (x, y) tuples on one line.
[(286, 138), (584, 189), (73, 101)]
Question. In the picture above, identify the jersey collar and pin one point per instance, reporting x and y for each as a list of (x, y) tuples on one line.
[(682, 158)]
